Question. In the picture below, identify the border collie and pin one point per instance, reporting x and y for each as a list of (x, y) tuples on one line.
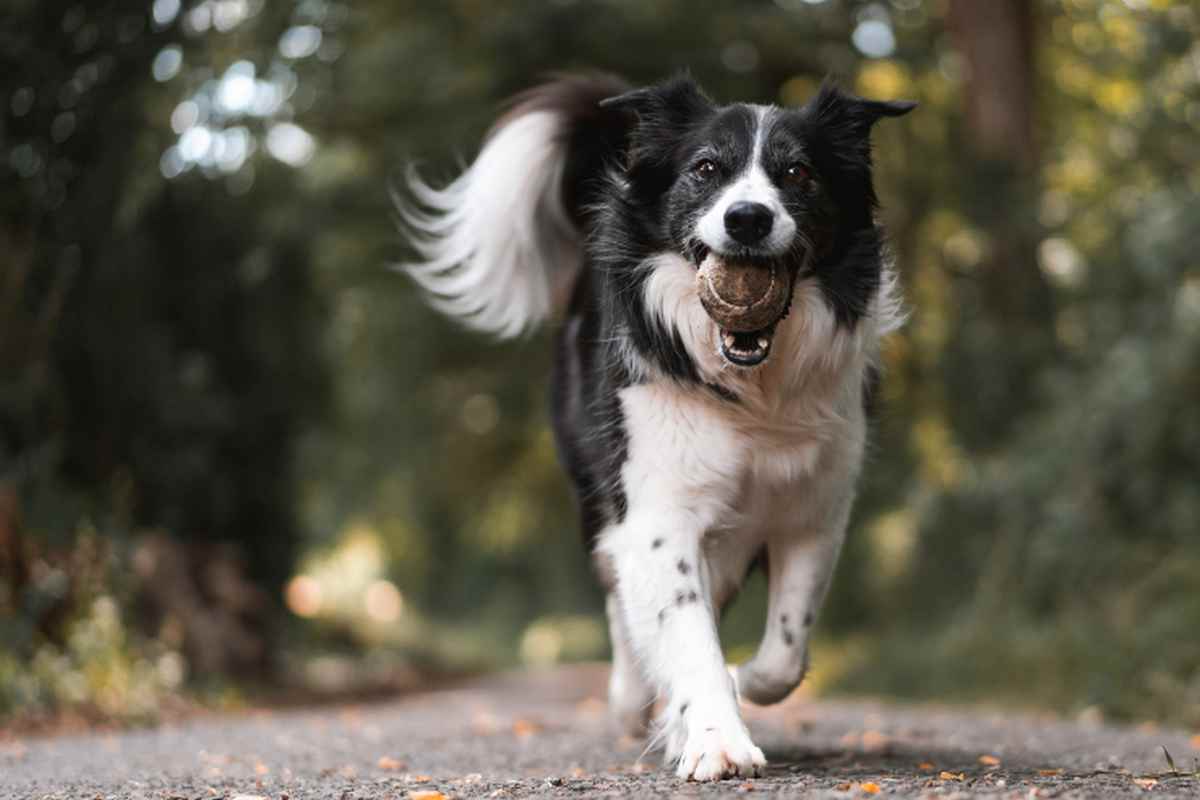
[(725, 290)]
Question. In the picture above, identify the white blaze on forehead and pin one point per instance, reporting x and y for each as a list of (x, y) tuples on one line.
[(754, 186)]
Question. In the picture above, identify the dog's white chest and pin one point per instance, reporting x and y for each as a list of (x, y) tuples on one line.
[(730, 460)]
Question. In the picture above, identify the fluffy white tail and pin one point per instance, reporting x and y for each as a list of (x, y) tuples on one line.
[(498, 245)]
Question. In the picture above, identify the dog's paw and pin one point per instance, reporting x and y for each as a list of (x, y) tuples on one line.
[(673, 738), (713, 752)]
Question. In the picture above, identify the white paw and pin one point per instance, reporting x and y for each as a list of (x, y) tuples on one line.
[(713, 752), (674, 737)]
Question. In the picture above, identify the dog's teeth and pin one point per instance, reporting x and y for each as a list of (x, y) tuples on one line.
[(764, 342), (730, 341)]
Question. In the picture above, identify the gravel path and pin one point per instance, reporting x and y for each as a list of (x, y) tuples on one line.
[(547, 735)]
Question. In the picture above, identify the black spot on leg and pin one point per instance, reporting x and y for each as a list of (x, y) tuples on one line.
[(783, 618), (683, 709), (808, 619), (662, 615), (680, 598), (788, 638), (692, 597), (657, 543), (684, 569)]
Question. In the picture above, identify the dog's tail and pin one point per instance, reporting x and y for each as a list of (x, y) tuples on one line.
[(498, 246)]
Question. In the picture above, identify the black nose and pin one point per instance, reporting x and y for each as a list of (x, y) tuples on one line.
[(748, 222)]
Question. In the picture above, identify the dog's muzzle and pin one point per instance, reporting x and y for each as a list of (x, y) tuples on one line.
[(746, 300)]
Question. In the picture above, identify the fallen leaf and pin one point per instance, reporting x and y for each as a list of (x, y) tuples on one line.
[(1146, 783), (951, 776), (591, 705), (873, 741), (18, 750), (1170, 761), (261, 769), (1196, 741), (578, 772), (1049, 773), (524, 728), (842, 787), (925, 766), (484, 723), (989, 761), (389, 763), (427, 794), (870, 788), (419, 779)]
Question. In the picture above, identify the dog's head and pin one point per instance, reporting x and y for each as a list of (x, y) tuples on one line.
[(754, 196)]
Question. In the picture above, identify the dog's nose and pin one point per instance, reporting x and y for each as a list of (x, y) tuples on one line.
[(747, 222)]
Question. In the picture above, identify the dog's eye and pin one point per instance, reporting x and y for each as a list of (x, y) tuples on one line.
[(705, 168), (797, 173)]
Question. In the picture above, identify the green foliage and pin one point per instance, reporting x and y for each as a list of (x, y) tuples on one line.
[(74, 643), (97, 670), (1067, 550), (214, 347), (157, 348)]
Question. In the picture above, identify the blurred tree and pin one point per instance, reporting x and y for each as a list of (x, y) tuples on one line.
[(1065, 546), (1004, 325), (158, 354)]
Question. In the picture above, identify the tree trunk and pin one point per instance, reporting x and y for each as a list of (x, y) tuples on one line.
[(1005, 331)]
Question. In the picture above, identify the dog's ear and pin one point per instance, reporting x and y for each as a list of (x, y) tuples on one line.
[(677, 98), (846, 113), (659, 114)]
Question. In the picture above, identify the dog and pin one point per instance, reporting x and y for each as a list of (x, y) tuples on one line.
[(725, 287)]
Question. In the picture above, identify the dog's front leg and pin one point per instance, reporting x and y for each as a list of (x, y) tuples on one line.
[(665, 595), (799, 570), (801, 557)]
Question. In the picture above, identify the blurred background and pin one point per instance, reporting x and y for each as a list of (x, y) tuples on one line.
[(241, 462)]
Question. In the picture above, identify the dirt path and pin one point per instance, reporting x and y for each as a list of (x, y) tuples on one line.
[(546, 735)]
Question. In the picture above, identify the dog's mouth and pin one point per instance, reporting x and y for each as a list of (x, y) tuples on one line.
[(747, 349), (746, 299)]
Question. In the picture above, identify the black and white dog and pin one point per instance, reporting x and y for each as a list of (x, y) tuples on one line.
[(725, 290)]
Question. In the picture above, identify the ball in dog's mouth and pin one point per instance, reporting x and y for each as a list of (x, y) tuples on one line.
[(745, 300)]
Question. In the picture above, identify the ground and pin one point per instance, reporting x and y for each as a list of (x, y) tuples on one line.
[(546, 734)]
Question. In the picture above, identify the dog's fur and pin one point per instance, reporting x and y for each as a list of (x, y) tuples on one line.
[(689, 467)]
